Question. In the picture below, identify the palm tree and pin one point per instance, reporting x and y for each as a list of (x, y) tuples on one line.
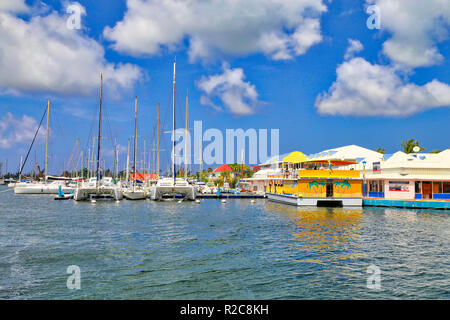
[(409, 145), (225, 175), (436, 151), (381, 150)]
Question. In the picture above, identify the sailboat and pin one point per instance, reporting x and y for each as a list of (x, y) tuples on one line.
[(99, 188), (172, 187), (132, 193), (48, 186)]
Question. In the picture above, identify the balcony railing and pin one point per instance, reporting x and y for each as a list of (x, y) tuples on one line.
[(317, 174), (330, 174)]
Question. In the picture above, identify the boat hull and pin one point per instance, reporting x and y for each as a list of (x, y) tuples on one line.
[(85, 194), (40, 189), (160, 192), (135, 195)]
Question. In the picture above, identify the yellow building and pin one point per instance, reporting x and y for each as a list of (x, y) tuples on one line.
[(312, 182)]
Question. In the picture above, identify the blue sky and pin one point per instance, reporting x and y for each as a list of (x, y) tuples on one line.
[(296, 77)]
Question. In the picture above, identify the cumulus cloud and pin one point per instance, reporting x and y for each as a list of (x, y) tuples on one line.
[(416, 27), (366, 89), (41, 54), (239, 96), (355, 46), (280, 29), (15, 130), (13, 6)]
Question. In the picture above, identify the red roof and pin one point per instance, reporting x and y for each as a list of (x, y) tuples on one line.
[(223, 168)]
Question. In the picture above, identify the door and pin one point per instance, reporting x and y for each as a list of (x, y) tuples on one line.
[(329, 188), (427, 192)]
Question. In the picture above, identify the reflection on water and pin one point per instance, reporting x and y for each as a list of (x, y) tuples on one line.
[(236, 250), (333, 231), (326, 236)]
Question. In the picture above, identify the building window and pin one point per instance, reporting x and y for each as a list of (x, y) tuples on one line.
[(418, 187), (376, 166), (446, 187), (437, 187), (398, 185)]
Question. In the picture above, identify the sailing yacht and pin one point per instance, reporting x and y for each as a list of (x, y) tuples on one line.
[(132, 193), (45, 186), (99, 188), (172, 187)]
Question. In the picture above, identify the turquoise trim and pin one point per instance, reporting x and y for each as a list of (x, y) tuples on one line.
[(407, 204)]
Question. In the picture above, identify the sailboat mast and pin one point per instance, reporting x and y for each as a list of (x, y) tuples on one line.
[(92, 158), (81, 165), (46, 141), (157, 154), (135, 141), (173, 123), (89, 164), (127, 178), (144, 156), (185, 139), (115, 158), (99, 143), (153, 151)]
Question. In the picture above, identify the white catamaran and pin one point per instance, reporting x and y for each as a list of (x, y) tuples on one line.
[(172, 187), (99, 188)]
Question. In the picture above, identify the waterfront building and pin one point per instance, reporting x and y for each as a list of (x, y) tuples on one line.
[(331, 177), (421, 176), (218, 172), (353, 172)]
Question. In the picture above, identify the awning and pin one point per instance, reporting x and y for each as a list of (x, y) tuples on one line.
[(295, 157)]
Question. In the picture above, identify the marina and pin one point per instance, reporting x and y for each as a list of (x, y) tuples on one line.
[(237, 250), (224, 154)]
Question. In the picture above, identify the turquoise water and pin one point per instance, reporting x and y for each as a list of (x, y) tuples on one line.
[(237, 250)]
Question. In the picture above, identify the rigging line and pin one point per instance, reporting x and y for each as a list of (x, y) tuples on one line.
[(108, 126), (94, 118), (180, 114), (66, 168), (34, 138), (55, 119), (163, 131)]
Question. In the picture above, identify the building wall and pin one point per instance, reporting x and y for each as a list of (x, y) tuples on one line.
[(317, 188), (407, 191)]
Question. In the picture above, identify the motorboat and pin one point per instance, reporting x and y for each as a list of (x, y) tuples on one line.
[(42, 187)]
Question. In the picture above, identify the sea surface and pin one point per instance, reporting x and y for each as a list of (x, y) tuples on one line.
[(236, 250)]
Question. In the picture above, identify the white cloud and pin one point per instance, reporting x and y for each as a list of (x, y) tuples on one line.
[(14, 130), (280, 29), (416, 27), (43, 55), (239, 96), (366, 89), (355, 46), (13, 6)]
